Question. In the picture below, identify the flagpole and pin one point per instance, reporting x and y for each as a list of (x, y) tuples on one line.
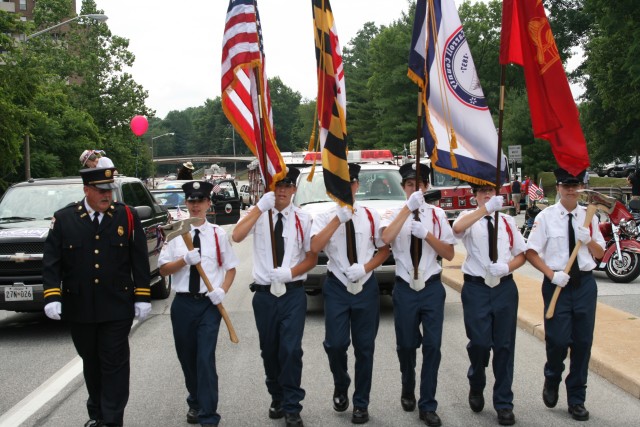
[(415, 242), (503, 72)]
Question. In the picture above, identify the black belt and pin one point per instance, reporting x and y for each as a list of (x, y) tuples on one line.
[(478, 279), (431, 278), (190, 295), (254, 287)]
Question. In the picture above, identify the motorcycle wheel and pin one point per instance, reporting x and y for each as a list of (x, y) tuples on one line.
[(624, 270)]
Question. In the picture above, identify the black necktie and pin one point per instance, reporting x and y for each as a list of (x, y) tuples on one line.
[(574, 272), (490, 231), (96, 221), (352, 253), (279, 240), (416, 245), (194, 276)]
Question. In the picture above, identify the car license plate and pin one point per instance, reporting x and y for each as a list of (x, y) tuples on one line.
[(18, 293)]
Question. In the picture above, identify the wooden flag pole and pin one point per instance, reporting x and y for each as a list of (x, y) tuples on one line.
[(503, 71), (414, 240)]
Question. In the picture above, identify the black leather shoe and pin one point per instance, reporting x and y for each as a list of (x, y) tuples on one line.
[(275, 410), (506, 417), (340, 401), (408, 401), (208, 425), (293, 420), (192, 416), (579, 412), (550, 394), (93, 423), (430, 418), (476, 400), (360, 415)]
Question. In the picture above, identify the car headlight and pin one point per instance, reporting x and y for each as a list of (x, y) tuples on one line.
[(629, 227)]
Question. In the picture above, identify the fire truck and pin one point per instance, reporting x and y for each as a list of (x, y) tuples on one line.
[(456, 195)]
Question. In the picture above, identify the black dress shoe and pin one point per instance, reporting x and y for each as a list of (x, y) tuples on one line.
[(430, 418), (293, 420), (476, 400), (506, 417), (360, 415), (275, 410), (340, 401), (408, 401), (208, 425), (550, 394), (192, 416), (93, 423), (579, 412)]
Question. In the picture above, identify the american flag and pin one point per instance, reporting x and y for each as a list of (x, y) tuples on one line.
[(535, 192), (245, 90), (216, 188)]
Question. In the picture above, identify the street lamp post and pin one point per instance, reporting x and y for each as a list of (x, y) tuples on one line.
[(153, 155), (27, 149), (233, 142)]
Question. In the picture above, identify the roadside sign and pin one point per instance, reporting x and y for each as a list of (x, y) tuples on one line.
[(515, 153)]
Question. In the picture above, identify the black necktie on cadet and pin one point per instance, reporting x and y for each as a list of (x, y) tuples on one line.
[(279, 240), (574, 272), (96, 221), (490, 231), (352, 252), (416, 244), (194, 276)]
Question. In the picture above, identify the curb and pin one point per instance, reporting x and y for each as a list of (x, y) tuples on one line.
[(615, 354)]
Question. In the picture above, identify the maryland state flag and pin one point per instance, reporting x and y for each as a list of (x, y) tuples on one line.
[(527, 41), (332, 105), (244, 84)]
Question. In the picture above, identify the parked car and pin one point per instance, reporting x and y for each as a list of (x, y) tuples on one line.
[(622, 170), (245, 196), (26, 210), (173, 200), (605, 170)]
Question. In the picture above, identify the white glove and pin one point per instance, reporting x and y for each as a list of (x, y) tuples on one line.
[(355, 272), (216, 296), (560, 278), (53, 310), (494, 204), (267, 201), (418, 229), (344, 214), (280, 274), (415, 200), (192, 257), (142, 310), (499, 269), (583, 235)]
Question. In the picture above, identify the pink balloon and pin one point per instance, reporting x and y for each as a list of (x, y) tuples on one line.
[(139, 125)]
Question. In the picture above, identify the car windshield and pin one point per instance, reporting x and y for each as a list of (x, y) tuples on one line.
[(38, 201), (170, 199), (444, 180), (375, 184)]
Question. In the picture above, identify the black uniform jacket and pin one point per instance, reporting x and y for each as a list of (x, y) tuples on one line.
[(98, 275)]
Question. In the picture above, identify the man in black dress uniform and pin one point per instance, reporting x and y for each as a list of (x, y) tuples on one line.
[(96, 277)]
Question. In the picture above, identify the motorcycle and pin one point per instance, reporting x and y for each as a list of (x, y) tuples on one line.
[(621, 260), (529, 217)]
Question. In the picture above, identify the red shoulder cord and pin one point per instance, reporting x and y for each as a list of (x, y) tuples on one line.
[(215, 234), (299, 227), (372, 226)]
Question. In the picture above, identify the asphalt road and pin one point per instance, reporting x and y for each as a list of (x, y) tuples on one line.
[(41, 385)]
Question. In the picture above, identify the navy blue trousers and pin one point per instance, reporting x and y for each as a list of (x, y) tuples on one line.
[(356, 315), (571, 327), (104, 349), (490, 320), (196, 323), (412, 309), (280, 324)]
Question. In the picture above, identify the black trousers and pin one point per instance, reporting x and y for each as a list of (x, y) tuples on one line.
[(104, 348)]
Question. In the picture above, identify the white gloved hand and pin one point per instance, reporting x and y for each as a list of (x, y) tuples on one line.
[(415, 200), (192, 257), (560, 278), (216, 296), (142, 310), (418, 229), (53, 310), (344, 214), (355, 272), (267, 201), (583, 235), (499, 269), (494, 204), (280, 274)]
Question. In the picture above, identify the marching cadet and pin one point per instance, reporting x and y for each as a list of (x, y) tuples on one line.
[(418, 300), (490, 298), (280, 302), (96, 278), (194, 317), (351, 295), (555, 232)]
